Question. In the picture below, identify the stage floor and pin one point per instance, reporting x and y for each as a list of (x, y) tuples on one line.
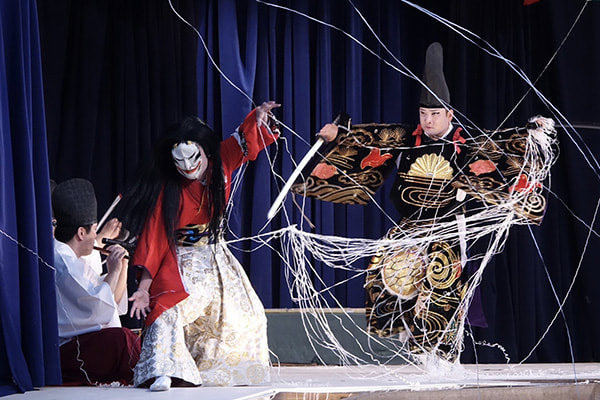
[(484, 381)]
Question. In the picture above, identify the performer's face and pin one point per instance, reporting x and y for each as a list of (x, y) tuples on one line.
[(190, 160), (87, 239), (435, 121)]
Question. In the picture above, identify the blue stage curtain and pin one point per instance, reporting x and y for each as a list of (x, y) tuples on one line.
[(314, 73), (28, 331), (117, 72)]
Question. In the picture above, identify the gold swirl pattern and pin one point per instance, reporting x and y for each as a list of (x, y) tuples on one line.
[(486, 147), (353, 195), (431, 324), (478, 184), (431, 166), (444, 268), (355, 188), (489, 190), (325, 191), (359, 137), (368, 178), (426, 197), (516, 144), (532, 207)]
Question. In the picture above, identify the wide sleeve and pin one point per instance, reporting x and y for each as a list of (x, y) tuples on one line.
[(248, 140), (355, 165), (154, 253), (508, 167), (83, 305), (152, 246), (94, 263)]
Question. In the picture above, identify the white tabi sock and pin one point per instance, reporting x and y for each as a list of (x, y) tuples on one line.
[(161, 384)]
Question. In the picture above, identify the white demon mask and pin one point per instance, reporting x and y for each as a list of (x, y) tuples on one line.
[(190, 160)]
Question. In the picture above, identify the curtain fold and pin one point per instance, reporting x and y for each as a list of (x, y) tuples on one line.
[(28, 328)]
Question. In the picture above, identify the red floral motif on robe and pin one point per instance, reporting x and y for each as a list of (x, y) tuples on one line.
[(374, 159)]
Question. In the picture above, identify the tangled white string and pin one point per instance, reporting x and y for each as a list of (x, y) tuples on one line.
[(299, 249)]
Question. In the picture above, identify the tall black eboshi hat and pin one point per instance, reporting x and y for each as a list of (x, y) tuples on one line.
[(433, 78)]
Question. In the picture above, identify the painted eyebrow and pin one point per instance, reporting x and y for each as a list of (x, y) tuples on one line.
[(196, 156)]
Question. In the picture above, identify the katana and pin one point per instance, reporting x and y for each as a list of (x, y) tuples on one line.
[(286, 188), (307, 157)]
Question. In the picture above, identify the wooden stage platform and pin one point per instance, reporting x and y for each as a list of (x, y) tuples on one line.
[(371, 382)]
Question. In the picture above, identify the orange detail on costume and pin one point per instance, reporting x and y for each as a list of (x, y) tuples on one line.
[(374, 159), (482, 167), (418, 132), (523, 185), (324, 171), (458, 271), (458, 138)]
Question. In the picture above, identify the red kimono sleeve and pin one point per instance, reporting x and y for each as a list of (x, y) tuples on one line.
[(244, 145), (154, 254)]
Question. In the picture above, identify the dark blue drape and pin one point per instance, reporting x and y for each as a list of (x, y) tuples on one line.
[(315, 71), (315, 74), (117, 72), (28, 330)]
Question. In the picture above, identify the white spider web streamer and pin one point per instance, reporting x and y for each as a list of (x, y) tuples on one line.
[(301, 249), (498, 244), (334, 252), (296, 244), (300, 272)]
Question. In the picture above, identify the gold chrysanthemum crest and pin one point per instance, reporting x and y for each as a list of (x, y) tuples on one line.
[(431, 166)]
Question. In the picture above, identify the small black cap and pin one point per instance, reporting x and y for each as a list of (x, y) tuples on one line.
[(74, 203)]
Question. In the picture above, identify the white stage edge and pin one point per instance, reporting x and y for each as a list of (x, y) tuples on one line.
[(485, 381)]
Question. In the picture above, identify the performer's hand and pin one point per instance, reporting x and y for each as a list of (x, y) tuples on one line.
[(540, 122), (262, 112), (116, 255), (110, 230), (328, 132), (141, 303)]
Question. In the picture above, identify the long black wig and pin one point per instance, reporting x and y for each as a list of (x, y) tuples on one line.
[(159, 173)]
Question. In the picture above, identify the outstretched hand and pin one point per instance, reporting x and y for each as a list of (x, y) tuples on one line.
[(262, 112), (141, 304)]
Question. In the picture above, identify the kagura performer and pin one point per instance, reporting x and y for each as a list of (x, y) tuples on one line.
[(205, 325), (449, 181)]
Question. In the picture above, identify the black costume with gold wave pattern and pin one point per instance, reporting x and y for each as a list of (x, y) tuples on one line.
[(418, 291)]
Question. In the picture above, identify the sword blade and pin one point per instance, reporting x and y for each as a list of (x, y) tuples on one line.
[(286, 188)]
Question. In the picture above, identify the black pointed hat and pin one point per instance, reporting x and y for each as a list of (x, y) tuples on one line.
[(433, 78), (74, 203)]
